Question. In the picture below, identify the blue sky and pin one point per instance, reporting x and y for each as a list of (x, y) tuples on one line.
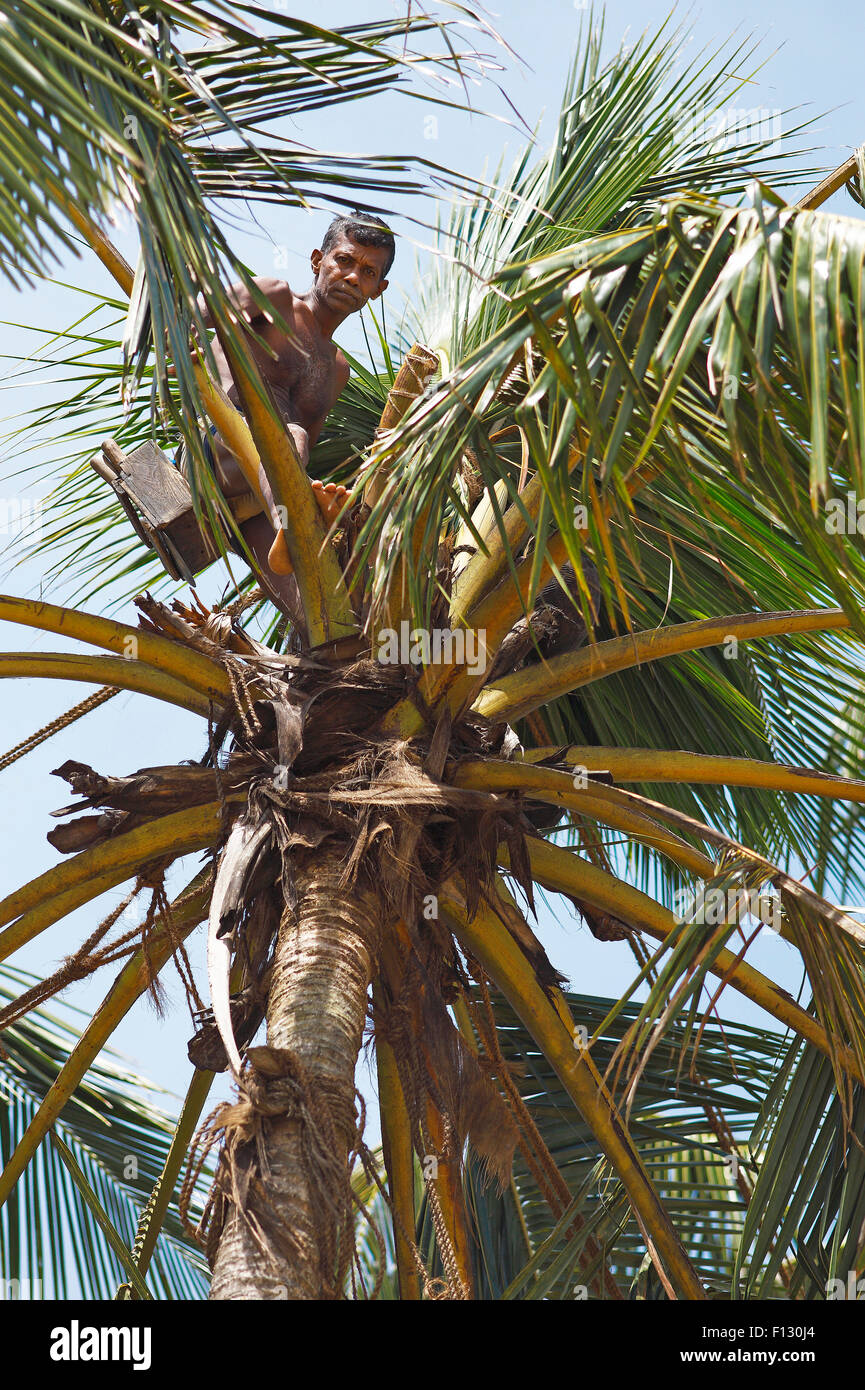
[(813, 62)]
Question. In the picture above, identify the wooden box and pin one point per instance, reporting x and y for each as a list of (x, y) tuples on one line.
[(157, 499)]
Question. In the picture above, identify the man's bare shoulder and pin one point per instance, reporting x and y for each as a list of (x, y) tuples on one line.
[(279, 292)]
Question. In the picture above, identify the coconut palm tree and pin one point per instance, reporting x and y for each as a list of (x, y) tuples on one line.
[(592, 626)]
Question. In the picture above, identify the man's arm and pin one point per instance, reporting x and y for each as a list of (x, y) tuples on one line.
[(343, 372)]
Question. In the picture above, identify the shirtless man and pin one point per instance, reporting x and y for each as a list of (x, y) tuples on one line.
[(306, 374)]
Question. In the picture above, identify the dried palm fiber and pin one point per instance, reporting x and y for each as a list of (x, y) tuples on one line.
[(421, 973)]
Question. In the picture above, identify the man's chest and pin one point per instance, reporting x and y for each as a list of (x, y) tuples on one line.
[(304, 370)]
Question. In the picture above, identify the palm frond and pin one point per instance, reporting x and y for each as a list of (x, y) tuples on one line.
[(695, 1128), (118, 1135), (112, 108), (806, 1215)]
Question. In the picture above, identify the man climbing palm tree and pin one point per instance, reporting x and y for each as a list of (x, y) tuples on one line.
[(306, 373)]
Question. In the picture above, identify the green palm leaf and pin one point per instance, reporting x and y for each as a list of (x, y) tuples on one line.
[(135, 114), (119, 1137), (678, 1120)]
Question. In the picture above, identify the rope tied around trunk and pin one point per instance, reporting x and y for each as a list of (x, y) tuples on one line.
[(274, 1086)]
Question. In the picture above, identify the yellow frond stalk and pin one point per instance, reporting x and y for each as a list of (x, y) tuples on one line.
[(560, 871), (672, 765), (130, 984), (323, 592), (418, 367), (192, 668), (514, 696), (199, 1090), (449, 1192), (552, 1028), (557, 789), (492, 620), (104, 670), (399, 1164), (52, 907), (485, 571), (182, 832)]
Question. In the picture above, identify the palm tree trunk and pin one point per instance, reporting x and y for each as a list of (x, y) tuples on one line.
[(323, 965)]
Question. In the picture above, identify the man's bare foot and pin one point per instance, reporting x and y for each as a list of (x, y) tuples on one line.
[(331, 499)]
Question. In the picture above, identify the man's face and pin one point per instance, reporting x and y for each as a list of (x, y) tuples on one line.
[(349, 275)]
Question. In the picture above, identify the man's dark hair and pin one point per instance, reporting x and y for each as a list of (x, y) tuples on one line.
[(364, 228)]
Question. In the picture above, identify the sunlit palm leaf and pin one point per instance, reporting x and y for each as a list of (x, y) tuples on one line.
[(134, 113), (808, 1205)]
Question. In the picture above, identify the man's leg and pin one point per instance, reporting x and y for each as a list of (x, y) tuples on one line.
[(281, 589), (233, 481), (329, 496)]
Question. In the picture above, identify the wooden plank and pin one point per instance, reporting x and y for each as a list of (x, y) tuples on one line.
[(157, 488), (106, 472)]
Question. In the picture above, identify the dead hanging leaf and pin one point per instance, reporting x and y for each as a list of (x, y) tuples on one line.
[(244, 848), (254, 940), (434, 1062), (469, 1097), (434, 764), (545, 972)]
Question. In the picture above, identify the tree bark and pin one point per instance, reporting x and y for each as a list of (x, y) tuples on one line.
[(323, 966)]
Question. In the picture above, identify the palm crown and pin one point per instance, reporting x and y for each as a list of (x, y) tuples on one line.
[(649, 391)]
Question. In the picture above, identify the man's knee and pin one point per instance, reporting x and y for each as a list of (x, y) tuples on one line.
[(300, 439), (229, 474)]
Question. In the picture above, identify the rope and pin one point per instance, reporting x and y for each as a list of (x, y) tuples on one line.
[(28, 744), (91, 955), (427, 1283), (454, 1288), (240, 680), (85, 961)]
